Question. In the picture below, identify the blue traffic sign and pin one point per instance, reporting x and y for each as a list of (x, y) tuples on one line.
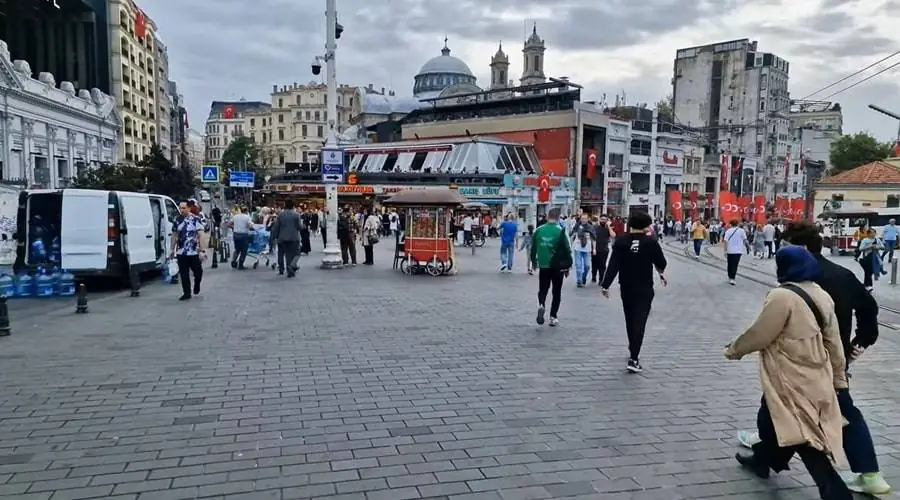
[(209, 174), (242, 179), (332, 166)]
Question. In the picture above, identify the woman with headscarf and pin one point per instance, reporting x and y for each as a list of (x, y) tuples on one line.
[(801, 363)]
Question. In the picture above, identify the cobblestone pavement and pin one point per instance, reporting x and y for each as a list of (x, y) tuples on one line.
[(367, 384)]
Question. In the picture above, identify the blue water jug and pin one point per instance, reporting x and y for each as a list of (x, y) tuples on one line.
[(24, 286), (66, 284), (54, 276), (54, 250), (43, 284), (7, 286), (38, 250)]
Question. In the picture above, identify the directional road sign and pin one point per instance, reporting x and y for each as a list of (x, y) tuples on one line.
[(242, 179), (332, 166), (209, 174)]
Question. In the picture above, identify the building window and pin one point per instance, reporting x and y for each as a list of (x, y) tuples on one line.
[(537, 63), (280, 118), (308, 115), (319, 131), (640, 147), (280, 103), (317, 116), (893, 201), (281, 134), (252, 123), (303, 131), (298, 100), (794, 189)]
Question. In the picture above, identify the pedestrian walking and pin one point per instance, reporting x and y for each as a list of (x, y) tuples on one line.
[(585, 249), (323, 228), (371, 227), (306, 220), (347, 229), (889, 236), (603, 234), (240, 233), (525, 246), (850, 297), (769, 233), (551, 255), (735, 242), (698, 235), (801, 363), (634, 257), (188, 250), (509, 233), (286, 232)]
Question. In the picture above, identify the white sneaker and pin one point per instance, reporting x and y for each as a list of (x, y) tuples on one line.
[(748, 438), (870, 484), (553, 321), (731, 282)]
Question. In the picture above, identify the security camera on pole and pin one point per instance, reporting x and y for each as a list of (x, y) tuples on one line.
[(331, 159)]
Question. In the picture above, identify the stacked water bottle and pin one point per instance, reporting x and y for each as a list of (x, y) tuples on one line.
[(48, 281)]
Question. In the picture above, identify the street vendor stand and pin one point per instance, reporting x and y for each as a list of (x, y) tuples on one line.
[(479, 232), (426, 247)]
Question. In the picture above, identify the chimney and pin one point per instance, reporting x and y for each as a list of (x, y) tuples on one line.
[(274, 88), (382, 90), (370, 86)]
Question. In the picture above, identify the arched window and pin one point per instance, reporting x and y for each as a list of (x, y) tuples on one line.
[(123, 19)]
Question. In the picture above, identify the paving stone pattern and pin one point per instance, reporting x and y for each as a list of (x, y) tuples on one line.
[(367, 384)]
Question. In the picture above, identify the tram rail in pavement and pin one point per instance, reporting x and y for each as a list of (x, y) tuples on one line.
[(767, 279)]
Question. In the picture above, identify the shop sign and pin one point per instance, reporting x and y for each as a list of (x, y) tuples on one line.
[(481, 192)]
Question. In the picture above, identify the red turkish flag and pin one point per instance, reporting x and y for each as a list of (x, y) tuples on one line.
[(140, 24), (543, 193), (228, 113), (591, 164)]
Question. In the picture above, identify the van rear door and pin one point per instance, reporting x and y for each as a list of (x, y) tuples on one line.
[(84, 229), (139, 228)]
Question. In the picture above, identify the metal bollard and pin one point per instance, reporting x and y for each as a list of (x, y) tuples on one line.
[(81, 302), (893, 272), (4, 318), (135, 280)]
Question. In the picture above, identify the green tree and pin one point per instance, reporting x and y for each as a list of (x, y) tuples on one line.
[(165, 178), (112, 178), (851, 151), (244, 154), (666, 108)]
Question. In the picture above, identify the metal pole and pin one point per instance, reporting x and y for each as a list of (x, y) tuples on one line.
[(894, 272), (654, 151), (332, 255)]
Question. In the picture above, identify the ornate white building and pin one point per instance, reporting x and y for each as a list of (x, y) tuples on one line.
[(49, 133)]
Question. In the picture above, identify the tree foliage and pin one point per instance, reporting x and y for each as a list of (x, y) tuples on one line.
[(154, 174), (162, 177), (666, 108), (851, 151), (244, 154)]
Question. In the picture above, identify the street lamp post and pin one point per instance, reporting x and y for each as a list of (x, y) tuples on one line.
[(332, 255), (887, 113)]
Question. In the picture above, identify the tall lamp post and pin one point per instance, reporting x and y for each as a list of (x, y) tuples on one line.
[(887, 113), (332, 255)]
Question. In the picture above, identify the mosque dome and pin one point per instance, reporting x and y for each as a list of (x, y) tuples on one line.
[(441, 72)]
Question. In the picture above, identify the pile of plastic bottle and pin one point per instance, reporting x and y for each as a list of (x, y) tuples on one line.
[(52, 283), (48, 281)]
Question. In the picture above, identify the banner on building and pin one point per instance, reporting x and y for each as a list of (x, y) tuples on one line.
[(591, 164), (692, 199), (675, 205)]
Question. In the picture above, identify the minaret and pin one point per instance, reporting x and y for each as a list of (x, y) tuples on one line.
[(534, 59), (499, 69)]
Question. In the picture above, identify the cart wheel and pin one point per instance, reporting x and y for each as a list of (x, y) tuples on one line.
[(448, 266), (479, 242), (434, 267), (404, 266), (255, 265)]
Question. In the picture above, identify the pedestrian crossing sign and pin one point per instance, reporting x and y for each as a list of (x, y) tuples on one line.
[(209, 173)]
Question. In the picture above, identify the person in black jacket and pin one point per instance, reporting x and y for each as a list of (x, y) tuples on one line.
[(849, 296), (634, 255)]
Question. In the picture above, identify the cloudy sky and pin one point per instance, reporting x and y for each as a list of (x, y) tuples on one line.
[(229, 49)]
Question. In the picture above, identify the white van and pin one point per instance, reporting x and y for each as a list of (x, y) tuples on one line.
[(88, 232)]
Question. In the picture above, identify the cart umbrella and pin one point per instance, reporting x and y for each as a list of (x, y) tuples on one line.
[(427, 197)]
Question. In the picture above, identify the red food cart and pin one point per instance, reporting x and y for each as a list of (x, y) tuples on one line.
[(425, 246)]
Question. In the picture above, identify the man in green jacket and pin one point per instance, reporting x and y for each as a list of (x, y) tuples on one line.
[(551, 255)]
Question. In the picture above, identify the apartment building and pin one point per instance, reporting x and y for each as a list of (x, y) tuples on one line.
[(817, 115), (164, 101), (134, 63), (737, 97), (226, 122), (294, 127)]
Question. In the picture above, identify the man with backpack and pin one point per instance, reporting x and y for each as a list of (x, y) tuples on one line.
[(551, 255)]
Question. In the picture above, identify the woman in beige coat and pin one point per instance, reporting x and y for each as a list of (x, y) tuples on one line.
[(801, 363)]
